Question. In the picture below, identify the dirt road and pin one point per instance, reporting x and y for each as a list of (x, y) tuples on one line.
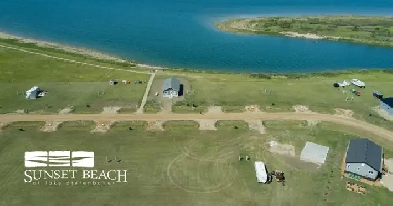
[(359, 125)]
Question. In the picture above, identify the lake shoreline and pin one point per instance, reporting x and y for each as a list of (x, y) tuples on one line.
[(85, 52), (75, 50)]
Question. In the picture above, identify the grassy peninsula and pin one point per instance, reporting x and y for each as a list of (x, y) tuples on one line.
[(374, 30)]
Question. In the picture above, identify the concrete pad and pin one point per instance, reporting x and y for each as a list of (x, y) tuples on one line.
[(155, 125), (314, 153), (256, 125), (50, 126), (207, 125), (103, 126), (387, 181)]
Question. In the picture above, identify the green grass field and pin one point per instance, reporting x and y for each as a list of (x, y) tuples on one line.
[(234, 92), (186, 167), (68, 84), (181, 165), (360, 29)]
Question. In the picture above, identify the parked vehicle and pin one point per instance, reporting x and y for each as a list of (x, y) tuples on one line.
[(341, 84), (358, 83)]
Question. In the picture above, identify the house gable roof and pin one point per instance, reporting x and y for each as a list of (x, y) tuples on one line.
[(388, 101), (171, 83), (365, 151)]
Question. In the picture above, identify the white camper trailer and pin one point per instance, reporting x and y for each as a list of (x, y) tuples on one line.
[(260, 171)]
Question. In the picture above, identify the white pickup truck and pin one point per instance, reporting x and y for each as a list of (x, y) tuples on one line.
[(343, 84), (358, 83)]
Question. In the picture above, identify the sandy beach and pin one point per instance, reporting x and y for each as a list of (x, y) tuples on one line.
[(307, 36), (75, 50)]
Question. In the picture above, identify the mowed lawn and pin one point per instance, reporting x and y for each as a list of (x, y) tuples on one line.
[(83, 87), (234, 92), (186, 167)]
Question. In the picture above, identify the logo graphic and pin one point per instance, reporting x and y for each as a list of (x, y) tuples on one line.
[(68, 168), (59, 159)]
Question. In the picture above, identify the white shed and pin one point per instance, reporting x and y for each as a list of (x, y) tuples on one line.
[(32, 93), (260, 171)]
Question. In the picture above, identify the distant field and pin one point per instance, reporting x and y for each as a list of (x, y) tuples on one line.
[(187, 167), (83, 87), (359, 29)]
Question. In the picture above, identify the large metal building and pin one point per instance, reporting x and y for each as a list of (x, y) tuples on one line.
[(387, 105)]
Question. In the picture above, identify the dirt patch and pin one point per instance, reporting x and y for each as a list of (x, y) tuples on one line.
[(382, 113), (256, 125), (301, 108), (111, 110), (207, 125), (344, 112), (214, 110), (103, 126), (282, 149), (299, 164), (355, 188), (66, 110), (313, 122), (2, 125), (253, 108), (50, 126), (20, 111), (155, 125)]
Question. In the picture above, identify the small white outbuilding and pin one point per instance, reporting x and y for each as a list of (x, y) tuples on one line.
[(32, 93), (260, 171)]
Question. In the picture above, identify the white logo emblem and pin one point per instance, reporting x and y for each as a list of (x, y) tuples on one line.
[(59, 159)]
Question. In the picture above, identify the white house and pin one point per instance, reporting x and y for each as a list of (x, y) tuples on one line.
[(260, 171), (170, 88), (32, 93)]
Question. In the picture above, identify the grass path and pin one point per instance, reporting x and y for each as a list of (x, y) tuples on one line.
[(148, 87)]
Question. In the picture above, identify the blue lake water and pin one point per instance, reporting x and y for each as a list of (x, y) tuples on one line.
[(181, 33)]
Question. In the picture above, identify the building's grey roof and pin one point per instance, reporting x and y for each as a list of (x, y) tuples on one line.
[(388, 101), (365, 151), (171, 83)]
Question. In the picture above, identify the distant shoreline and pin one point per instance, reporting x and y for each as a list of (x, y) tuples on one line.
[(75, 50), (371, 30)]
